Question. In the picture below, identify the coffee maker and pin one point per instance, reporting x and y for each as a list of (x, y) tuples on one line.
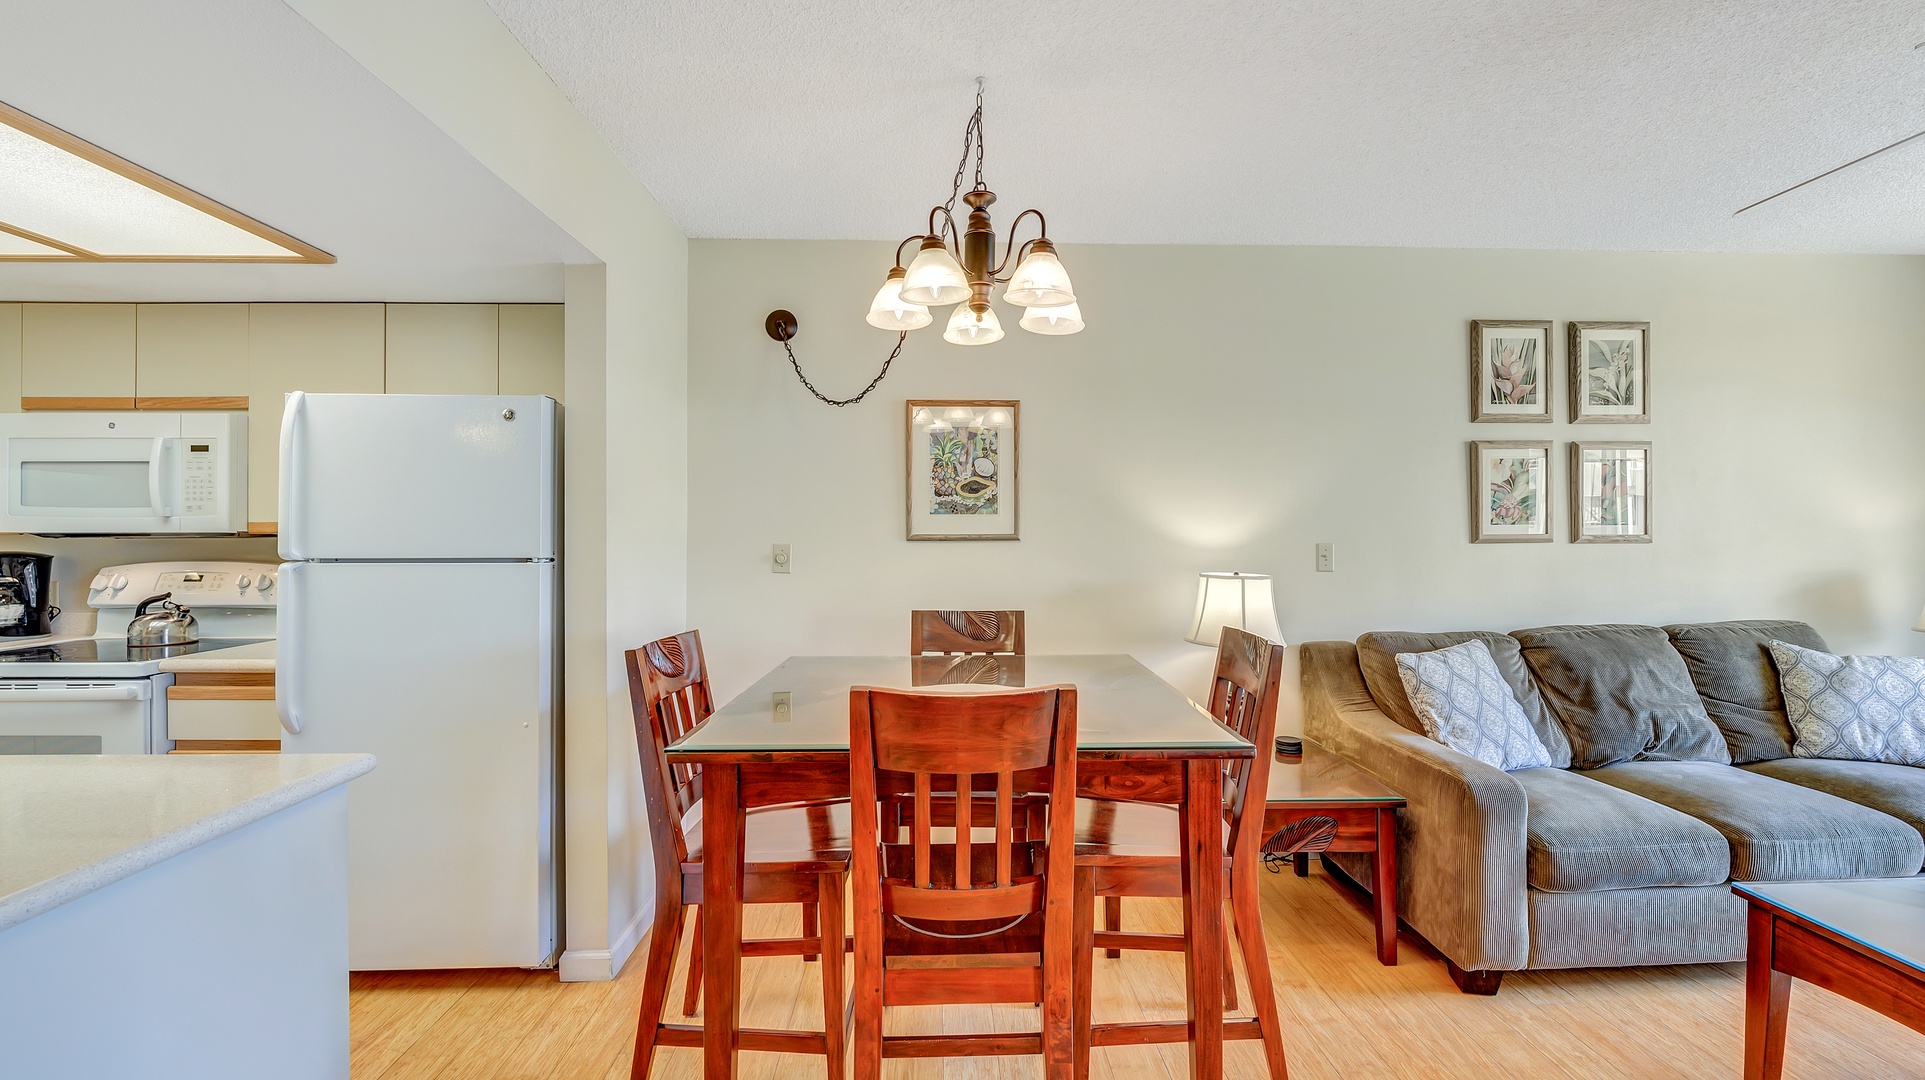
[(25, 580)]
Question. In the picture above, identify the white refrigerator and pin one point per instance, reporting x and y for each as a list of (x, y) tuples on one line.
[(417, 623)]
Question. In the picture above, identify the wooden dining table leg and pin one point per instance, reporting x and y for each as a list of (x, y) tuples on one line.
[(722, 891), (1202, 861)]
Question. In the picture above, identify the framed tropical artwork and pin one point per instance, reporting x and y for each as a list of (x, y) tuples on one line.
[(1610, 493), (1510, 492), (1610, 372), (1510, 372), (963, 470)]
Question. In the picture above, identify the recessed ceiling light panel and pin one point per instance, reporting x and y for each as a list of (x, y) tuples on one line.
[(63, 197)]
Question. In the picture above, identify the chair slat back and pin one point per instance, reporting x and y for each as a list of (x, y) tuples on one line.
[(668, 689), (918, 743), (965, 632), (1243, 696)]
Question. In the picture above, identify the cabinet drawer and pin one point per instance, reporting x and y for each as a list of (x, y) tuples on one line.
[(197, 719)]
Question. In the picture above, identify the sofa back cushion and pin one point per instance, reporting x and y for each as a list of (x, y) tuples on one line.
[(1622, 693), (1732, 669), (1377, 656)]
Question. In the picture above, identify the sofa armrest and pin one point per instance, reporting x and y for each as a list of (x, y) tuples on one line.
[(1461, 840)]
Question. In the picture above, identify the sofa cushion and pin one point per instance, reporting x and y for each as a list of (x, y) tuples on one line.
[(1463, 702), (1377, 656), (1584, 836), (1777, 831), (1857, 708), (1732, 670), (1622, 694), (1898, 790)]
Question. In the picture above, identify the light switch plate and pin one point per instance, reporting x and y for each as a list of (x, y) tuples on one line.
[(1326, 558), (779, 705), (779, 559)]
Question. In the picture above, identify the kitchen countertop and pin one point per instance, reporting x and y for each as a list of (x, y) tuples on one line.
[(258, 656), (70, 825)]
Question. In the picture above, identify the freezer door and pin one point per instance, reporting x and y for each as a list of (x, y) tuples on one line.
[(417, 476), (451, 837)]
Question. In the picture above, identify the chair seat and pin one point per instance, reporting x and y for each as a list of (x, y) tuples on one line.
[(1118, 831), (805, 838)]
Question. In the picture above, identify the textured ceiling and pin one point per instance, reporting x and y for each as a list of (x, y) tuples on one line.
[(1619, 124), (246, 102)]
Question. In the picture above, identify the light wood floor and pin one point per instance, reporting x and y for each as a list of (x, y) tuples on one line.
[(1345, 1015)]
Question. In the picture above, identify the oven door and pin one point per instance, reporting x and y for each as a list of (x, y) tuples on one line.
[(77, 716)]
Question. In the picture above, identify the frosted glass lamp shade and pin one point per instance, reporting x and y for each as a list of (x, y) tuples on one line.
[(935, 277), (969, 327), (1233, 599), (1067, 319), (889, 311), (1040, 281)]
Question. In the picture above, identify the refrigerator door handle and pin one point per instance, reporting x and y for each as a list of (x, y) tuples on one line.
[(289, 497), (287, 701)]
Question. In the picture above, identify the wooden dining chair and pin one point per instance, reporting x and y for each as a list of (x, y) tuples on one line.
[(966, 632), (929, 890), (1134, 849), (794, 854)]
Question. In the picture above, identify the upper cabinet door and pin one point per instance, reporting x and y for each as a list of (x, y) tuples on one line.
[(77, 356), (9, 357), (531, 349), (191, 356), (321, 348), (442, 349)]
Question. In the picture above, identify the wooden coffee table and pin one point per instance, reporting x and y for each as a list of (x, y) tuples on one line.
[(1325, 785), (1864, 940)]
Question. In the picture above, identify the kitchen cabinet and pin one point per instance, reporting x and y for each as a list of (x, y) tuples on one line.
[(191, 356), (442, 348), (223, 712), (531, 349), (321, 348), (9, 357), (77, 356)]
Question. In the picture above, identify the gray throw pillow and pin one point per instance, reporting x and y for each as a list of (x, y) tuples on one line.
[(1859, 708), (1730, 663), (1464, 703), (1377, 656), (1622, 694)]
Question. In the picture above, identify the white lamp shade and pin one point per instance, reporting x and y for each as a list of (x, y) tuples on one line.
[(968, 327), (1233, 599), (935, 278), (1920, 624), (1067, 319), (1040, 281), (889, 311)]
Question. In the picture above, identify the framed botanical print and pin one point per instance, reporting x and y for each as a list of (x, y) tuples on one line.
[(1510, 492), (1510, 372), (1610, 372), (963, 470), (1610, 493)]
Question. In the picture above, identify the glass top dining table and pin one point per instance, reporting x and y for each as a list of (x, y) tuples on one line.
[(803, 704), (786, 739)]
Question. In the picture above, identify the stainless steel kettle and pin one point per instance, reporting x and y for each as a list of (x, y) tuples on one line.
[(171, 625)]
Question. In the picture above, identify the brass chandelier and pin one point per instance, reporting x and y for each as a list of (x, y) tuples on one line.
[(960, 266)]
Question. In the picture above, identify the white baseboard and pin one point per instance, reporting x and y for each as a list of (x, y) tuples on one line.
[(602, 965)]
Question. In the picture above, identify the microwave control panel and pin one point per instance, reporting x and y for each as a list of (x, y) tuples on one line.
[(200, 485)]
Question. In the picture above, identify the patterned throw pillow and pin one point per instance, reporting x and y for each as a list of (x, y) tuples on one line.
[(1463, 702), (1858, 708)]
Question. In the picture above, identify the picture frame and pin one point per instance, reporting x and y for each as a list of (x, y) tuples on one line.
[(1510, 492), (1610, 372), (962, 470), (1510, 365), (1610, 493)]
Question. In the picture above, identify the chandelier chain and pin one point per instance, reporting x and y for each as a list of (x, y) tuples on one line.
[(826, 400), (972, 139)]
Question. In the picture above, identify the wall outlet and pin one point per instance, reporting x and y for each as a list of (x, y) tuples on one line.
[(779, 559), (1326, 558), (779, 705)]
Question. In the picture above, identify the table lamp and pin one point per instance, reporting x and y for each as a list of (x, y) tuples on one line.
[(1920, 624), (1229, 598)]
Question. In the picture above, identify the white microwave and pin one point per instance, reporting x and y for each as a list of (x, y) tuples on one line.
[(101, 473)]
